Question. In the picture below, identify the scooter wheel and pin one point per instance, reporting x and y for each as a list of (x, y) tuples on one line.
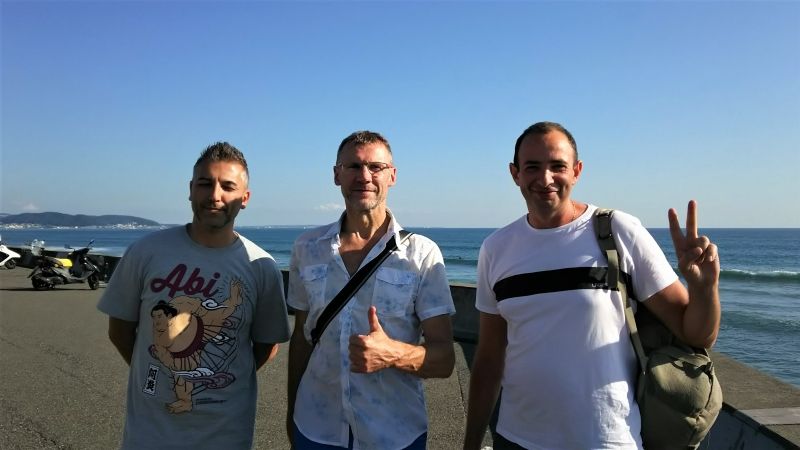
[(10, 264), (94, 283), (39, 284)]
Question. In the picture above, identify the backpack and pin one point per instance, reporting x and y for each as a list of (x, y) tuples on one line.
[(677, 389)]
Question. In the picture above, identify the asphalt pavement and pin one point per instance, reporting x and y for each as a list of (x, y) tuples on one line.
[(62, 384)]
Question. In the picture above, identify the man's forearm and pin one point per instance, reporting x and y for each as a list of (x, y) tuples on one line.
[(484, 388), (123, 335), (263, 352), (124, 345), (299, 354), (487, 372), (428, 360), (702, 316), (433, 358), (298, 361)]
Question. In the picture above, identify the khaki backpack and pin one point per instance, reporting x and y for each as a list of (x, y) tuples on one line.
[(677, 389)]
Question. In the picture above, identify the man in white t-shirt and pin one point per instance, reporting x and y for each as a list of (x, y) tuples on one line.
[(361, 386), (551, 334)]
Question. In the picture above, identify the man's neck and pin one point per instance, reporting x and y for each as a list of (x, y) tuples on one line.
[(212, 238), (359, 234), (558, 218), (364, 225)]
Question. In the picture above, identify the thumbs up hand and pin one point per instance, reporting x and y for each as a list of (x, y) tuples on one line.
[(374, 351)]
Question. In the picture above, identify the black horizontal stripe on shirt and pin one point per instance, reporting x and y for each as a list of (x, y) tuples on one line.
[(567, 279)]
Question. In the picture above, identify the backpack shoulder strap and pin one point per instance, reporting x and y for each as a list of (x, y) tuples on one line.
[(605, 239)]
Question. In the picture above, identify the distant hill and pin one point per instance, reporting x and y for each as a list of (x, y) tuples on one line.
[(55, 219)]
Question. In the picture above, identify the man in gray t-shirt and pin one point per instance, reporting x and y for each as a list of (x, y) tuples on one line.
[(196, 310)]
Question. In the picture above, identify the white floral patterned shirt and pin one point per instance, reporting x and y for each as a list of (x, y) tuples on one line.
[(385, 409)]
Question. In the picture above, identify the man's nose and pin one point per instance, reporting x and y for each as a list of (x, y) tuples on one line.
[(545, 177), (216, 192), (363, 174)]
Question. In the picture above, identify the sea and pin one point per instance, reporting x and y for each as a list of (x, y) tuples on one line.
[(759, 287)]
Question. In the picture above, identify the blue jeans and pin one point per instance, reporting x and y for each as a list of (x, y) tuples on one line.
[(303, 443), (501, 443)]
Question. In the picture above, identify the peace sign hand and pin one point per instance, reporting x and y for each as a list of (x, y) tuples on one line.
[(698, 260)]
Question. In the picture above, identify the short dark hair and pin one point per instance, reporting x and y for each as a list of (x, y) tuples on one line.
[(363, 137), (223, 151), (540, 129), (168, 309)]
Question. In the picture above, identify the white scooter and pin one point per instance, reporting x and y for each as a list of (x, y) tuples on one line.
[(7, 256)]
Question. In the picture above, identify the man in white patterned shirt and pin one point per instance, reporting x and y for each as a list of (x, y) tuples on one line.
[(361, 388)]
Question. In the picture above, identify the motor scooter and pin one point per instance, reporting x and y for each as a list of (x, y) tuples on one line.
[(75, 268), (7, 256)]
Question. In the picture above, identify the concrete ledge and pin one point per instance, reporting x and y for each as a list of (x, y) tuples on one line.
[(747, 390), (774, 416)]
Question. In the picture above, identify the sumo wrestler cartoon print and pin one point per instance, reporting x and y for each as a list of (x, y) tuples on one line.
[(195, 339)]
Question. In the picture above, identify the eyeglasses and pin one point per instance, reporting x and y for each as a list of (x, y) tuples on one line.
[(373, 167)]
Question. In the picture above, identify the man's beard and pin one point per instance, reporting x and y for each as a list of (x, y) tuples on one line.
[(222, 218)]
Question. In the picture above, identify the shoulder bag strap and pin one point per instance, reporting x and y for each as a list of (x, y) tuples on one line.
[(352, 286), (605, 238)]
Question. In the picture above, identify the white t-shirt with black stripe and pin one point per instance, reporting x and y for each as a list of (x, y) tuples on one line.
[(569, 371)]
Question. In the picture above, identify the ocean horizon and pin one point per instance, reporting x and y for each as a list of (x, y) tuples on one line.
[(759, 281)]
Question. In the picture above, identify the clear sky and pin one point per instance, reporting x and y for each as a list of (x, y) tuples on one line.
[(106, 105)]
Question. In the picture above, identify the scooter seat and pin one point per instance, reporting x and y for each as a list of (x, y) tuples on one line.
[(59, 262)]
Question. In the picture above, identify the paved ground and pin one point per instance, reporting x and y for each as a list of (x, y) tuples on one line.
[(62, 385)]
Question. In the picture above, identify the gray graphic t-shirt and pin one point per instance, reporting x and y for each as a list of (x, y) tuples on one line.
[(192, 379)]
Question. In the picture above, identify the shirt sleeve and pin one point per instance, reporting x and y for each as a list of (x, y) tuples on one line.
[(270, 321), (296, 296), (651, 270), (122, 297), (434, 297), (485, 300)]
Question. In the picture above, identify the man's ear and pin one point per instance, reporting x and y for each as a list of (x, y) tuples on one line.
[(577, 168), (245, 198), (514, 171), (336, 177)]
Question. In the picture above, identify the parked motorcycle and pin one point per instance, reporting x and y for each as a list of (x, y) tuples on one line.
[(8, 257), (75, 268)]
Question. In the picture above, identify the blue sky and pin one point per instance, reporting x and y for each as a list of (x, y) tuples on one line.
[(106, 106)]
